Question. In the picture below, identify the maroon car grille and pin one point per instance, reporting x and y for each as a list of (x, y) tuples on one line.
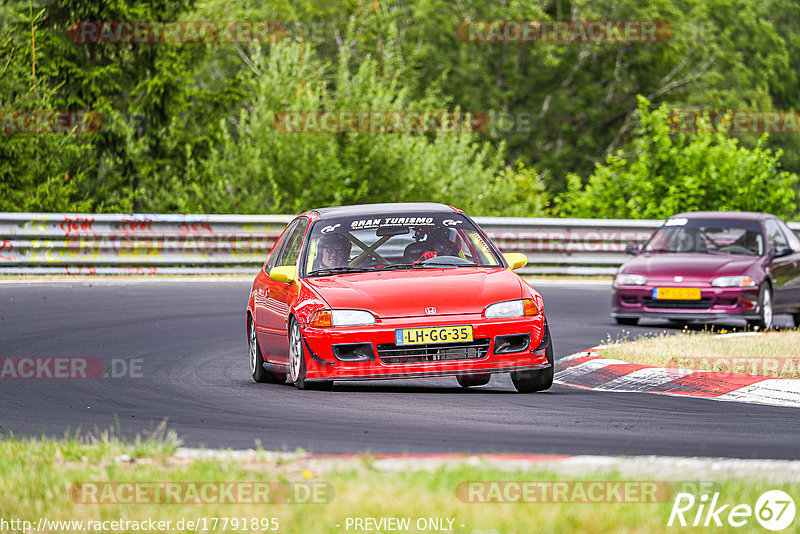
[(433, 352), (701, 304)]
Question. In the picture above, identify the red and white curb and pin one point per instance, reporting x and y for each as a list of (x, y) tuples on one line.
[(589, 370)]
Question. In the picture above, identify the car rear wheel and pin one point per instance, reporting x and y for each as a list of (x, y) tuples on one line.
[(297, 360), (764, 322), (473, 380), (257, 370), (796, 317), (628, 321), (537, 380)]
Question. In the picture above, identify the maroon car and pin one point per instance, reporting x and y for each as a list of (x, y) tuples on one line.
[(712, 265)]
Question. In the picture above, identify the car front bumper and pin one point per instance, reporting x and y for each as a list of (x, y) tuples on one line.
[(716, 303), (322, 362)]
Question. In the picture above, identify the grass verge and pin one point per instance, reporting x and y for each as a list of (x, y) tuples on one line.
[(773, 354), (39, 477)]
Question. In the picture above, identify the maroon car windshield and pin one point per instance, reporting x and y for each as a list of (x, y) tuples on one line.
[(396, 241), (708, 236)]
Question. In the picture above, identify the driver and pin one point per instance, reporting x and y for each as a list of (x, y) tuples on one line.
[(334, 251), (439, 242)]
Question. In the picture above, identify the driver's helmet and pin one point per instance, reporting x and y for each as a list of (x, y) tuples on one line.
[(687, 240), (439, 240)]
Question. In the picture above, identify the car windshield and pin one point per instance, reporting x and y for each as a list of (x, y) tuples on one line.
[(708, 237), (396, 242)]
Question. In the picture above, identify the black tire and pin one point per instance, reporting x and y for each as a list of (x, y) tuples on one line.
[(765, 312), (473, 380), (297, 360), (627, 321), (536, 380), (257, 370), (796, 317)]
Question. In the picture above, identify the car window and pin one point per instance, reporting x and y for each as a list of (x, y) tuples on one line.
[(775, 236), (708, 236), (791, 237), (278, 248), (380, 242), (291, 251)]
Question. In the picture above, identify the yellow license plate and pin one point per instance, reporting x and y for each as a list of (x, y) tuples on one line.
[(676, 293), (437, 334)]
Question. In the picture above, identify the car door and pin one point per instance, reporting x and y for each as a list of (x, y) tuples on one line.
[(792, 265), (279, 297), (261, 285), (784, 264)]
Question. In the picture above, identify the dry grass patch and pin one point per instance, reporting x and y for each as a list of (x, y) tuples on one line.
[(773, 354)]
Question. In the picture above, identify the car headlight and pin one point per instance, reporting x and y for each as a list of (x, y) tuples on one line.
[(324, 318), (626, 279), (733, 281), (512, 308)]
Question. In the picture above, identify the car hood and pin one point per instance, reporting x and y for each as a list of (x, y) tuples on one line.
[(408, 293), (691, 266)]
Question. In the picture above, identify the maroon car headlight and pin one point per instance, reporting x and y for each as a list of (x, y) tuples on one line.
[(627, 279), (512, 308), (326, 318), (733, 281)]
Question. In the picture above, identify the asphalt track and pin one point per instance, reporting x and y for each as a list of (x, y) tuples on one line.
[(187, 339)]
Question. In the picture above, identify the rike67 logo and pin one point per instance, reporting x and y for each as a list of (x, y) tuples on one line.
[(774, 510)]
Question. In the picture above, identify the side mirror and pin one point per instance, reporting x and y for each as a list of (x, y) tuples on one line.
[(781, 250), (283, 274), (516, 260), (633, 248)]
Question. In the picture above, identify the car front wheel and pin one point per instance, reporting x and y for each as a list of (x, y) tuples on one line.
[(764, 321), (539, 379), (297, 360)]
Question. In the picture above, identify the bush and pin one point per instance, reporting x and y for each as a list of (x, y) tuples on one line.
[(665, 172)]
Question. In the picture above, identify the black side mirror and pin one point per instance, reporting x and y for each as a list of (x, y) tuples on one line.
[(781, 250), (633, 248)]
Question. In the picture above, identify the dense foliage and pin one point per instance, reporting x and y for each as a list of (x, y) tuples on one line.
[(577, 129)]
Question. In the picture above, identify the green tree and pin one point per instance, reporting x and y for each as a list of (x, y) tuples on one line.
[(663, 173), (257, 167)]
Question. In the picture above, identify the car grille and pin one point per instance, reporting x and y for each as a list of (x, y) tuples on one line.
[(701, 304), (433, 352)]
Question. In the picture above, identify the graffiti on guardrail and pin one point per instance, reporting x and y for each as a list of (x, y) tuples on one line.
[(143, 243), (7, 246), (78, 225)]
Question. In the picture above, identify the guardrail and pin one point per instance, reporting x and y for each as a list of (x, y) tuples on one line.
[(62, 243)]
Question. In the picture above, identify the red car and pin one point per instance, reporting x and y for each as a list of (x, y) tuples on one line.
[(708, 266), (386, 291)]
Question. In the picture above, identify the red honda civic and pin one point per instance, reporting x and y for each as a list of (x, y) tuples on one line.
[(388, 291), (709, 266)]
